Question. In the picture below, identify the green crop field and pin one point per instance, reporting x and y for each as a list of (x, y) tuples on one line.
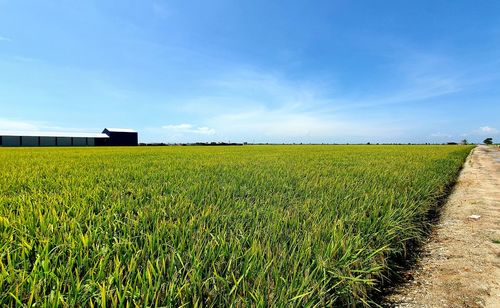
[(212, 226)]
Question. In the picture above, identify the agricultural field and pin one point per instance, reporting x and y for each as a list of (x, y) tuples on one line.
[(213, 226)]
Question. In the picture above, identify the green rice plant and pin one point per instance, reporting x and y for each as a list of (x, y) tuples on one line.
[(212, 226)]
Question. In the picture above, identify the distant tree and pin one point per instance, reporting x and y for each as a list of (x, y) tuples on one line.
[(488, 141), (464, 142)]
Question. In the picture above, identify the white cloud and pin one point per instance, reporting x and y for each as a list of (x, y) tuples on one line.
[(189, 129), (483, 131), (295, 124), (262, 106), (161, 10), (241, 91), (13, 125), (418, 77), (488, 130), (178, 127), (5, 39), (7, 125), (250, 104), (441, 135)]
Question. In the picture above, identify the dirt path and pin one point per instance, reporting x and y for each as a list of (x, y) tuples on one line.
[(460, 264)]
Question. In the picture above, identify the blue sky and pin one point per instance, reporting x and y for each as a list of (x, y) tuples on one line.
[(256, 71)]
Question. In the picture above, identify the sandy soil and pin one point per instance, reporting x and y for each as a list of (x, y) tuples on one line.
[(460, 264)]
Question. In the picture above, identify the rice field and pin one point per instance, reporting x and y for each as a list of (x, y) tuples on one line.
[(212, 226)]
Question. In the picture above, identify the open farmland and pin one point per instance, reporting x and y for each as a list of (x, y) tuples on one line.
[(206, 226)]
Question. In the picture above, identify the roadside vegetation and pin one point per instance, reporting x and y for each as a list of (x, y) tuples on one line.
[(212, 226)]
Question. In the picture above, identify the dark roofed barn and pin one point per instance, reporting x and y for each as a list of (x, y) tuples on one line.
[(121, 137)]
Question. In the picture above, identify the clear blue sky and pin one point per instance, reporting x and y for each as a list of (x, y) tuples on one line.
[(257, 71)]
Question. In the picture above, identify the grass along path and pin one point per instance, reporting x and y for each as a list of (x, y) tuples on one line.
[(460, 266)]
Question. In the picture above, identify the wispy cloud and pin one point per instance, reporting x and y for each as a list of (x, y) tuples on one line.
[(488, 130), (248, 102), (483, 131), (25, 59), (189, 129), (160, 9), (416, 76), (245, 89), (5, 39), (476, 134), (441, 135), (293, 124), (15, 125)]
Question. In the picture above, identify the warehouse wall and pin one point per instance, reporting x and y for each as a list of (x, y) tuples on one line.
[(79, 142), (29, 141), (63, 141), (33, 141), (47, 141), (11, 141)]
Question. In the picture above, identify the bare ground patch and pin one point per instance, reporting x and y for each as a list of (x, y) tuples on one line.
[(460, 264)]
